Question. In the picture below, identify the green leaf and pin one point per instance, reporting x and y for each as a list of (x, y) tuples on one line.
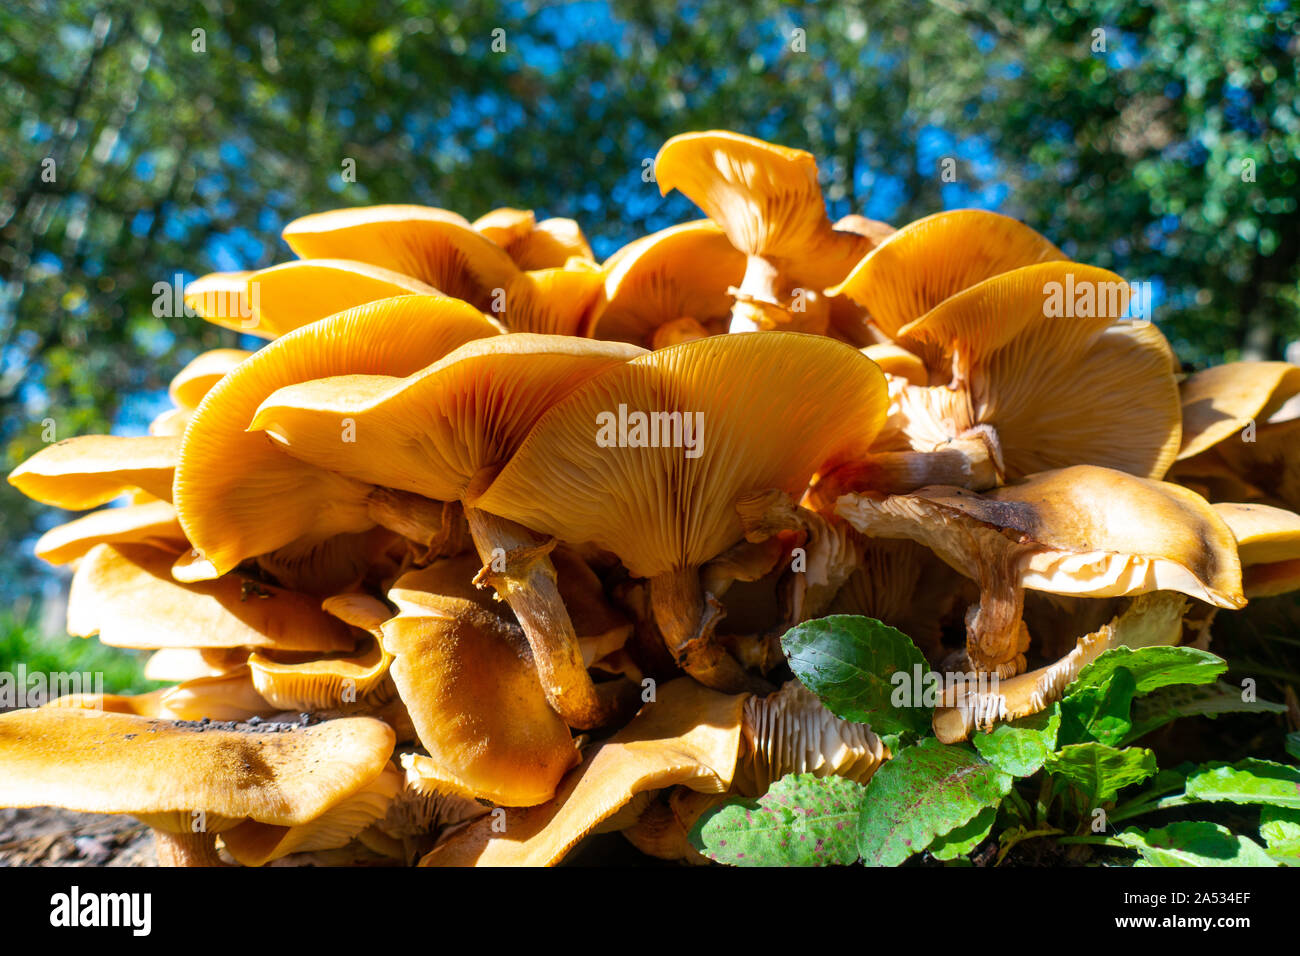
[(1020, 748), (925, 791), (863, 671), (802, 820), (1280, 828), (1100, 713), (1195, 843), (1248, 781), (1292, 740), (960, 841), (1169, 703), (1101, 771), (1152, 667)]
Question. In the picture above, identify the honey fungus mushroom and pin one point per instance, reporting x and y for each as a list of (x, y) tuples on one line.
[(441, 435), (91, 470), (767, 201), (667, 507), (466, 673), (239, 496), (668, 287), (1027, 382), (433, 246), (912, 270), (533, 245), (1084, 531), (187, 781), (1240, 427)]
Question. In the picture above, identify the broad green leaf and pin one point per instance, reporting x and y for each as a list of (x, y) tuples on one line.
[(1194, 843), (925, 791), (1169, 703), (1280, 828), (1152, 667), (1101, 771), (968, 836), (1292, 741), (863, 671), (1021, 747), (802, 820), (1248, 781), (1099, 713)]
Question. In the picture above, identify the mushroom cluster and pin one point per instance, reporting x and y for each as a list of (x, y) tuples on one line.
[(492, 545)]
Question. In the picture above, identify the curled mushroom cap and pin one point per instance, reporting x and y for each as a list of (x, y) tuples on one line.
[(152, 523), (222, 299), (689, 735), (238, 495), (663, 501), (92, 470), (1220, 401), (1268, 542), (125, 593), (205, 370), (254, 843), (1081, 530), (174, 774), (293, 294), (767, 200), (532, 244), (436, 247), (434, 431), (662, 280), (925, 262), (1032, 387), (465, 672), (553, 301)]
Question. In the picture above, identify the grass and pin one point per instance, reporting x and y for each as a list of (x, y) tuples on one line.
[(21, 642)]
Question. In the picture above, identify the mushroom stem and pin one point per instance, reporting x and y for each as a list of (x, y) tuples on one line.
[(517, 563), (686, 617), (187, 848), (422, 520), (996, 636), (758, 285)]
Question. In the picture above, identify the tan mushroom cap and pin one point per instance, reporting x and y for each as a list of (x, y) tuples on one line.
[(1268, 542), (1220, 401), (238, 495), (925, 262), (684, 271), (466, 674), (1090, 531), (92, 470), (126, 594), (228, 696), (97, 762), (152, 523), (1052, 387), (253, 843), (766, 199), (690, 735), (188, 663), (553, 301), (431, 245), (205, 370), (531, 244), (354, 682), (433, 432), (293, 294), (659, 510), (222, 299), (898, 362)]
